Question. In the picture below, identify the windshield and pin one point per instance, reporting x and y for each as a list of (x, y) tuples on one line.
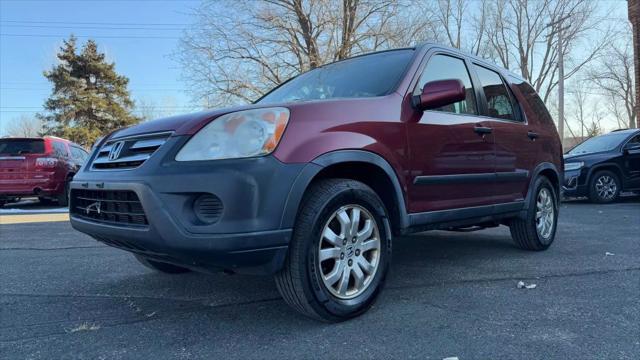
[(21, 146), (599, 143), (363, 76)]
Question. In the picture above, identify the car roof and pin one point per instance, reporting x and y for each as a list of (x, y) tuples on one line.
[(475, 58), (624, 131)]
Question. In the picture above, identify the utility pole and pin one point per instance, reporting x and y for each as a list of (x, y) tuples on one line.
[(561, 85), (557, 26), (634, 18)]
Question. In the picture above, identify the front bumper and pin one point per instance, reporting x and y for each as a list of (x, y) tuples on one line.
[(250, 236), (575, 183)]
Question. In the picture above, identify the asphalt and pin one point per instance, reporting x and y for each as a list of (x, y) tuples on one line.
[(63, 295)]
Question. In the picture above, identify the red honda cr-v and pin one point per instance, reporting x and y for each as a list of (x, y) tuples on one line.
[(41, 167), (312, 181)]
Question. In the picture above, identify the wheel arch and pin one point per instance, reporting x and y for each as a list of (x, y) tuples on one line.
[(613, 167), (549, 171), (374, 171)]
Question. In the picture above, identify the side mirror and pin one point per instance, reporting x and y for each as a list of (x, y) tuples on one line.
[(439, 93), (632, 148)]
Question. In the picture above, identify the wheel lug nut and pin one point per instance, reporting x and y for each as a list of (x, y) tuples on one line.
[(344, 242), (353, 240), (341, 256), (357, 252), (350, 262)]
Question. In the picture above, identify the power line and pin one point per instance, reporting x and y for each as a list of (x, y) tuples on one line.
[(90, 23), (47, 89), (95, 27), (92, 37)]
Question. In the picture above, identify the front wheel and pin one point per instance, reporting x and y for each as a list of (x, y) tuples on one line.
[(604, 187), (339, 253), (537, 230)]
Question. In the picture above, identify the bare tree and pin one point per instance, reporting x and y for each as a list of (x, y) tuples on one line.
[(239, 49), (149, 109), (25, 126), (585, 110), (613, 74), (523, 35)]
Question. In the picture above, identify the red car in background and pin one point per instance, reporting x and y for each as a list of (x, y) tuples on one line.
[(41, 167)]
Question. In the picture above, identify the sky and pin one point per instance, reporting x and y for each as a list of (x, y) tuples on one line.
[(140, 37)]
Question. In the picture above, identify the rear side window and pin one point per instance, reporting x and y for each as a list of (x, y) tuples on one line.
[(79, 154), (537, 105), (21, 146), (442, 67), (59, 149), (635, 140), (499, 103)]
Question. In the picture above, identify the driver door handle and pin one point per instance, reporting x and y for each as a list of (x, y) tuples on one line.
[(482, 130), (532, 135)]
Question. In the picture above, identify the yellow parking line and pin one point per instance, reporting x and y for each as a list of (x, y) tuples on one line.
[(32, 218)]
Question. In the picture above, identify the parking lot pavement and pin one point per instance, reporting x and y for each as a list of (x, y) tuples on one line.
[(63, 295)]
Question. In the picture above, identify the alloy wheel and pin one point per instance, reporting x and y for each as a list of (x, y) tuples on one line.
[(545, 214), (349, 251), (606, 187)]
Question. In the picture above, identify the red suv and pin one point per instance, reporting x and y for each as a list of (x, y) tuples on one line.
[(41, 167), (313, 181)]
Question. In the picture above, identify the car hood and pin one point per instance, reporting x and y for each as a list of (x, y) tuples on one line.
[(590, 157), (179, 124), (189, 124)]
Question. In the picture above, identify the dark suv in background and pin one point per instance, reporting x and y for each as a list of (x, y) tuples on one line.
[(41, 167), (312, 181), (603, 166)]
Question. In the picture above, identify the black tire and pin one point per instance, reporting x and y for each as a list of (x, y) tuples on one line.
[(45, 201), (300, 282), (63, 199), (524, 231), (160, 266), (595, 196)]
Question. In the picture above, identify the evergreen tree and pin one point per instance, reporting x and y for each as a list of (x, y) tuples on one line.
[(89, 99)]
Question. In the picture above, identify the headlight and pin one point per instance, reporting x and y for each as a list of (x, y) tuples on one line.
[(240, 134), (573, 165)]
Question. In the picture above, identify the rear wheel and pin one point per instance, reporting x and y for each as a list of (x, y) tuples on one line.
[(340, 251), (63, 199), (44, 200), (604, 187), (537, 230), (160, 266)]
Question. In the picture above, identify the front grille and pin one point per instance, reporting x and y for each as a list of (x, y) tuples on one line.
[(113, 207), (128, 153)]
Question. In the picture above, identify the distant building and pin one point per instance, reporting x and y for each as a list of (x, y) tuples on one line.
[(634, 18)]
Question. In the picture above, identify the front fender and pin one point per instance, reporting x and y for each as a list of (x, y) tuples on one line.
[(312, 169)]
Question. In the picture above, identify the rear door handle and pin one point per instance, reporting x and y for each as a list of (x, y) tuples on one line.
[(532, 135), (482, 130)]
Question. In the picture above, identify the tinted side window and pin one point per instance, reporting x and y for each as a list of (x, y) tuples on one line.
[(441, 67), (635, 140), (537, 105), (79, 154), (495, 91), (59, 149)]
